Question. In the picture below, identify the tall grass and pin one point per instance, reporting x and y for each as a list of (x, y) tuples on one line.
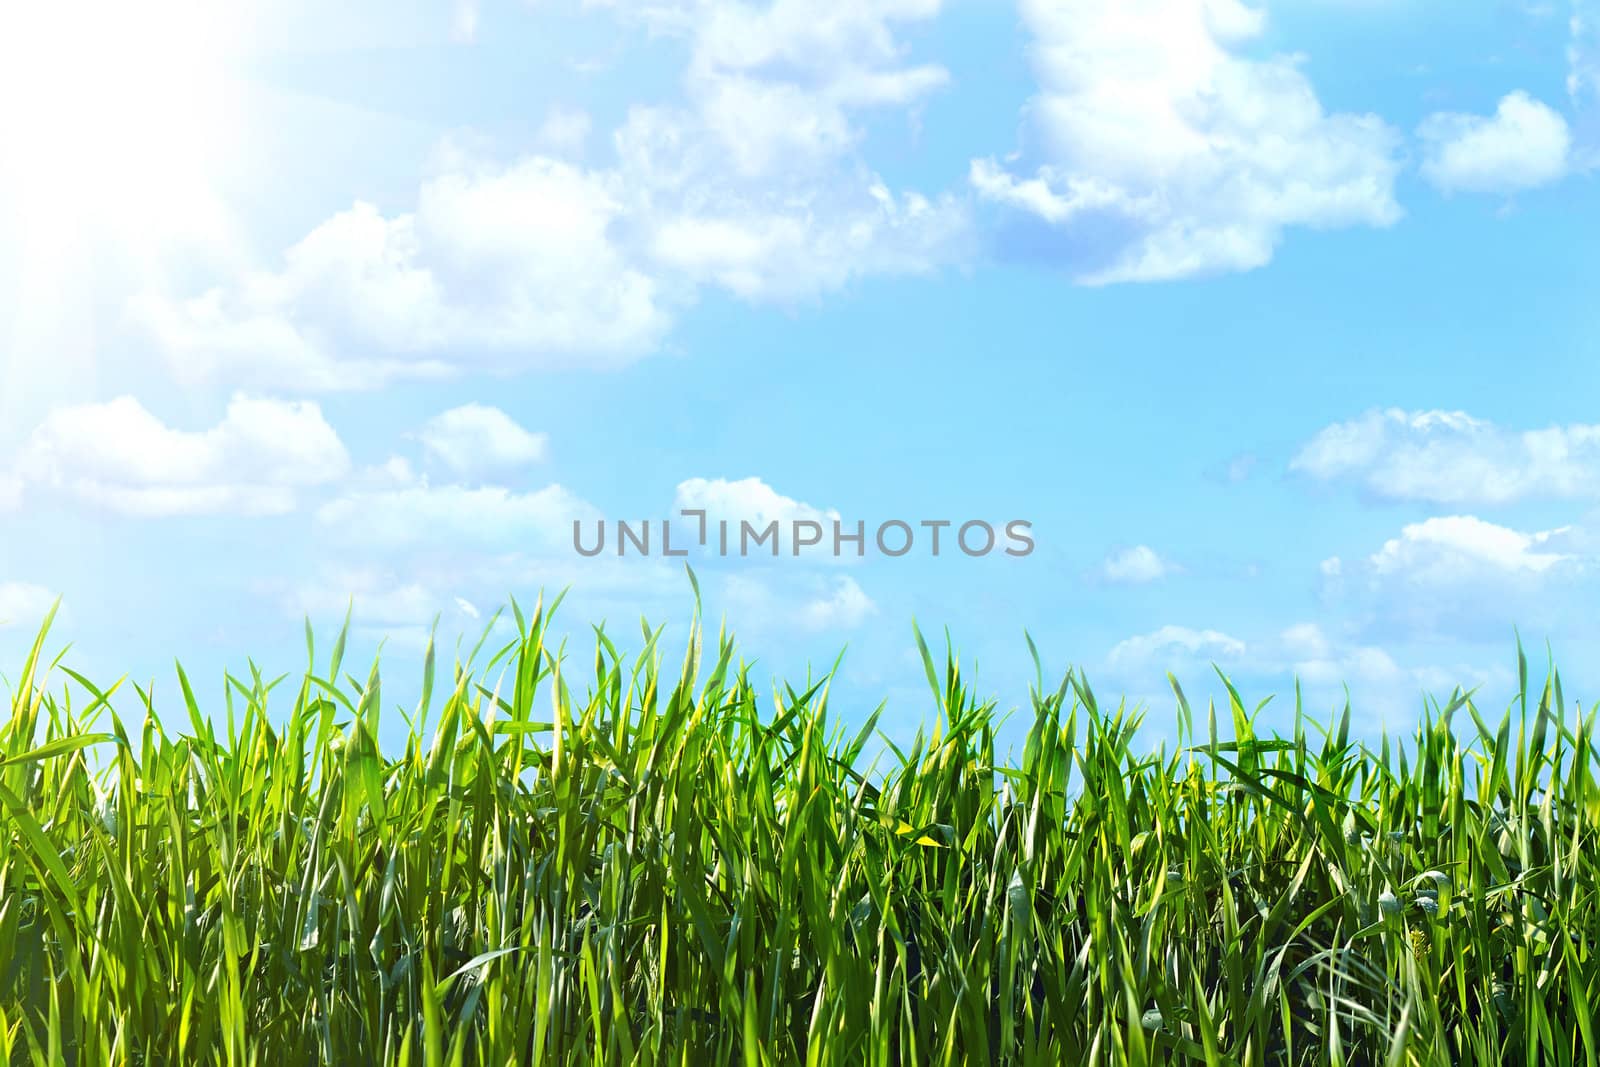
[(686, 870)]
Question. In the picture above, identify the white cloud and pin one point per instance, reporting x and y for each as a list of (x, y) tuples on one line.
[(1462, 578), (122, 457), (1368, 665), (22, 604), (1449, 457), (1319, 660), (457, 514), (10, 492), (784, 249), (766, 193), (1173, 641), (499, 268), (756, 185), (845, 608), (746, 498), (474, 439), (1457, 547), (396, 472), (1164, 152), (776, 86), (1136, 565), (1523, 145), (750, 500)]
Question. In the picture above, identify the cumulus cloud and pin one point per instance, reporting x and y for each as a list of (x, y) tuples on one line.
[(1163, 151), (745, 498), (1173, 642), (1464, 578), (761, 185), (24, 604), (475, 439), (755, 184), (753, 501), (1449, 457), (120, 456), (500, 267), (1455, 547), (1136, 565), (1523, 145)]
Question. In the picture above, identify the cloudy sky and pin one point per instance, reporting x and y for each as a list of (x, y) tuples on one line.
[(1276, 321)]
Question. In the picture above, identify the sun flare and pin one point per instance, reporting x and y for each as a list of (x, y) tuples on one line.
[(113, 120)]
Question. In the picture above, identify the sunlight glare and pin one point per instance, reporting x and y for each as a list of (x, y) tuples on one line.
[(113, 116)]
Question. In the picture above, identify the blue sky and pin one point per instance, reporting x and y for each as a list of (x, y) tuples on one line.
[(1276, 322)]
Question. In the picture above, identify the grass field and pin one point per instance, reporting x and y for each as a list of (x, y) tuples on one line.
[(608, 862)]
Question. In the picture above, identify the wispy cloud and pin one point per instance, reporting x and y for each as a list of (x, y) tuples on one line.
[(845, 608), (1173, 642), (1134, 566), (1583, 53)]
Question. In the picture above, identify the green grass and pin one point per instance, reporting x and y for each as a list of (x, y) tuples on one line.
[(568, 863)]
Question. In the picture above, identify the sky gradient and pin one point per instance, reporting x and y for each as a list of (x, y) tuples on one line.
[(1277, 322)]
